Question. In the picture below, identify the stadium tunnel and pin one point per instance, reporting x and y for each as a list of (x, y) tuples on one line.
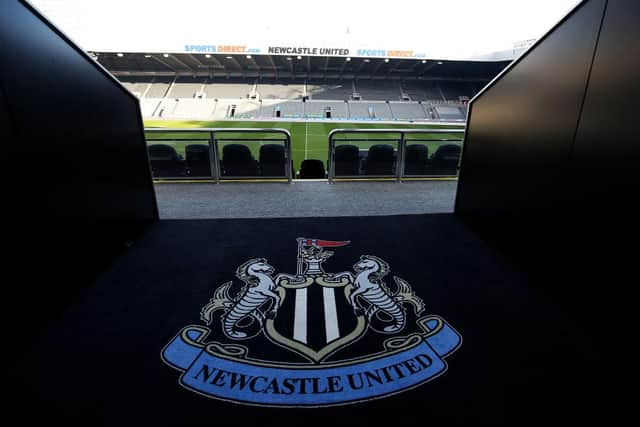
[(512, 310)]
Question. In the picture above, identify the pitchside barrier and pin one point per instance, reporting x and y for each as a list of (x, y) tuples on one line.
[(263, 154), (398, 154), (229, 154)]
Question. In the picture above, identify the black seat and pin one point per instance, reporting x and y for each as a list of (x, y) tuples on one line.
[(272, 160), (445, 160), (347, 161), (198, 160), (165, 161), (380, 160), (312, 169), (237, 160), (416, 158)]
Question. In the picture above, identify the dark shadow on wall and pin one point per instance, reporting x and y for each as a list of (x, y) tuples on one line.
[(78, 188), (552, 183)]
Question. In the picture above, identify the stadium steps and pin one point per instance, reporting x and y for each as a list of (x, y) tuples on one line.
[(166, 95), (146, 91)]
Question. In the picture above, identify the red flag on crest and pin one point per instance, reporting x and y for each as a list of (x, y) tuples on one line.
[(323, 243)]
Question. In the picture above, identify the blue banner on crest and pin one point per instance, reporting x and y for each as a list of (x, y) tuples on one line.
[(275, 384)]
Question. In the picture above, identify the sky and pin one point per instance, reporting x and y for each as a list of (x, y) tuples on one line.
[(444, 29)]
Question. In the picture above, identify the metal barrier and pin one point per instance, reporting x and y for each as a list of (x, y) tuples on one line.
[(211, 138), (400, 151)]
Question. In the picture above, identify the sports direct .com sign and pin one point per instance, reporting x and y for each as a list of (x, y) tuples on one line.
[(303, 50)]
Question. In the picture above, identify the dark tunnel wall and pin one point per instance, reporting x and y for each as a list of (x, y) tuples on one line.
[(78, 143), (520, 131), (606, 156), (549, 172), (77, 185)]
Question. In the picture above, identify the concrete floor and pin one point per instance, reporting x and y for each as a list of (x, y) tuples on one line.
[(303, 199)]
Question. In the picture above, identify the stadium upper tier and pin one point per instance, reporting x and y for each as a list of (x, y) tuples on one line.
[(337, 90), (218, 109), (207, 99), (210, 87)]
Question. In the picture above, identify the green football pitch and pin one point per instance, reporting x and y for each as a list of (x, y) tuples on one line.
[(309, 140)]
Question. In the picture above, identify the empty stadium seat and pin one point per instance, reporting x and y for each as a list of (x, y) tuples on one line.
[(407, 111), (445, 160), (422, 91), (317, 109), (360, 110), (416, 159), (272, 160), (281, 89), (380, 160), (347, 160), (165, 161), (311, 169), (447, 112), (330, 90), (378, 90), (237, 160), (159, 87), (186, 87), (228, 88), (454, 90), (198, 160)]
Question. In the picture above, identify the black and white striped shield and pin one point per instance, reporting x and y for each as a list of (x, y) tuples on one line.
[(316, 320)]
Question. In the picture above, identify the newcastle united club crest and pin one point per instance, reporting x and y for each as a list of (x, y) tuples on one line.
[(313, 338)]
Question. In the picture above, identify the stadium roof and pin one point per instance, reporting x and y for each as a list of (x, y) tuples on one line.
[(428, 29), (294, 66)]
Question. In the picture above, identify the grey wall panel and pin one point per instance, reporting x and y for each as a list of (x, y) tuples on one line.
[(606, 158), (520, 130)]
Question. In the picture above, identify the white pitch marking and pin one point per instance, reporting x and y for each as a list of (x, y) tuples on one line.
[(300, 317), (330, 314), (306, 137)]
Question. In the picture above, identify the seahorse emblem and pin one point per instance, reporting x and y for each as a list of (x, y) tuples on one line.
[(252, 301), (252, 309), (257, 301), (372, 296)]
